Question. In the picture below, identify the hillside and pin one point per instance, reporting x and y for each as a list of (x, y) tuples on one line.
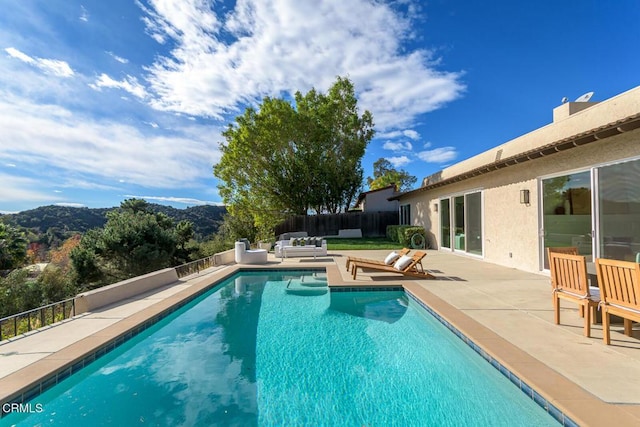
[(205, 218)]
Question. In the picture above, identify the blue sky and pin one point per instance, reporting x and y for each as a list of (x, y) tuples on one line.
[(106, 100)]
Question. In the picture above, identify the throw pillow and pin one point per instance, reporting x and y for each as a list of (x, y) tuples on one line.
[(247, 245), (402, 262), (391, 258), (294, 242), (319, 242)]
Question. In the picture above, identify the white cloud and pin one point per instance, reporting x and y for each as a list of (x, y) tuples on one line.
[(409, 133), (438, 155), (399, 161), (182, 200), (18, 189), (45, 137), (129, 84), (84, 15), (291, 45), (118, 58), (49, 66), (397, 146)]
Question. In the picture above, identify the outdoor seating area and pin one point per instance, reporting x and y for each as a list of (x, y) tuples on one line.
[(617, 293)]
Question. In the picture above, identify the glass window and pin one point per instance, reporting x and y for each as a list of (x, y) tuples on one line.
[(405, 215), (566, 204), (619, 211)]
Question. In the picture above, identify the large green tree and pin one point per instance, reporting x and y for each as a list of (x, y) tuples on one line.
[(13, 247), (134, 241), (384, 174), (284, 159)]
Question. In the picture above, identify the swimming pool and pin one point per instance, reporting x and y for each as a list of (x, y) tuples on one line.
[(276, 348)]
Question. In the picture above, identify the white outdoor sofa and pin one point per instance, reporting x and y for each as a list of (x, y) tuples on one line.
[(304, 247)]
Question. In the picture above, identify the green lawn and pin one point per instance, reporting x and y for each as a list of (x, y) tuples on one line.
[(362, 243)]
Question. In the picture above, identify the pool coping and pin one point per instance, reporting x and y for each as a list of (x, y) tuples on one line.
[(570, 404)]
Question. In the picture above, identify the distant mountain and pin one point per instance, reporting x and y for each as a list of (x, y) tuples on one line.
[(205, 218)]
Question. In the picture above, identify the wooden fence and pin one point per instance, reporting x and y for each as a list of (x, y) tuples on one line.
[(372, 224)]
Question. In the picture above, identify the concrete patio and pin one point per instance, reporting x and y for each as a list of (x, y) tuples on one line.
[(506, 311)]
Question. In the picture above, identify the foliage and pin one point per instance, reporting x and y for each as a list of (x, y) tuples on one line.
[(56, 284), (55, 224), (61, 257), (384, 174), (402, 234), (282, 159), (215, 245), (392, 232), (134, 241), (406, 232), (17, 293), (13, 247)]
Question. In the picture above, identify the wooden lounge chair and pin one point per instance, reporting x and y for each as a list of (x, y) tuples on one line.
[(350, 259), (571, 250), (569, 280), (619, 283), (414, 268)]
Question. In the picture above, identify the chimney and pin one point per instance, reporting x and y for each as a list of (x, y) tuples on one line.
[(569, 108)]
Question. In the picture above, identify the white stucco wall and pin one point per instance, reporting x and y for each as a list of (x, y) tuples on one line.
[(511, 227), (376, 201)]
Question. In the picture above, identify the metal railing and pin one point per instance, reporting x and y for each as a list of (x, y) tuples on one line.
[(195, 266), (26, 321)]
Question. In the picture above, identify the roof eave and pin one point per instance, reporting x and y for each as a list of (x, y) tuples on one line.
[(606, 131)]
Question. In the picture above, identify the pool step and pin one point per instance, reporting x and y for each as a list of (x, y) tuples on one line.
[(307, 287)]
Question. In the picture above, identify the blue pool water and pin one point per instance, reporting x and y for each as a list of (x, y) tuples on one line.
[(259, 351)]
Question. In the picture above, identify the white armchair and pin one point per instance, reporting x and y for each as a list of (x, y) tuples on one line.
[(250, 256)]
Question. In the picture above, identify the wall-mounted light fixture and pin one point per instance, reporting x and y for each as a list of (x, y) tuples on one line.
[(524, 197), (435, 207)]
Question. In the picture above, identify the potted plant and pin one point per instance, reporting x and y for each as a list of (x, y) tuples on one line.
[(265, 238)]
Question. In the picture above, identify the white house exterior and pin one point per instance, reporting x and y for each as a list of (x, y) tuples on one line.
[(574, 182), (378, 200)]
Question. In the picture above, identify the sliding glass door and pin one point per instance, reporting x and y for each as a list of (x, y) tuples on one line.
[(461, 223), (473, 204), (566, 219), (445, 224), (619, 211)]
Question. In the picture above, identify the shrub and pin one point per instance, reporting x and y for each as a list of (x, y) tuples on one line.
[(405, 232), (392, 233)]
